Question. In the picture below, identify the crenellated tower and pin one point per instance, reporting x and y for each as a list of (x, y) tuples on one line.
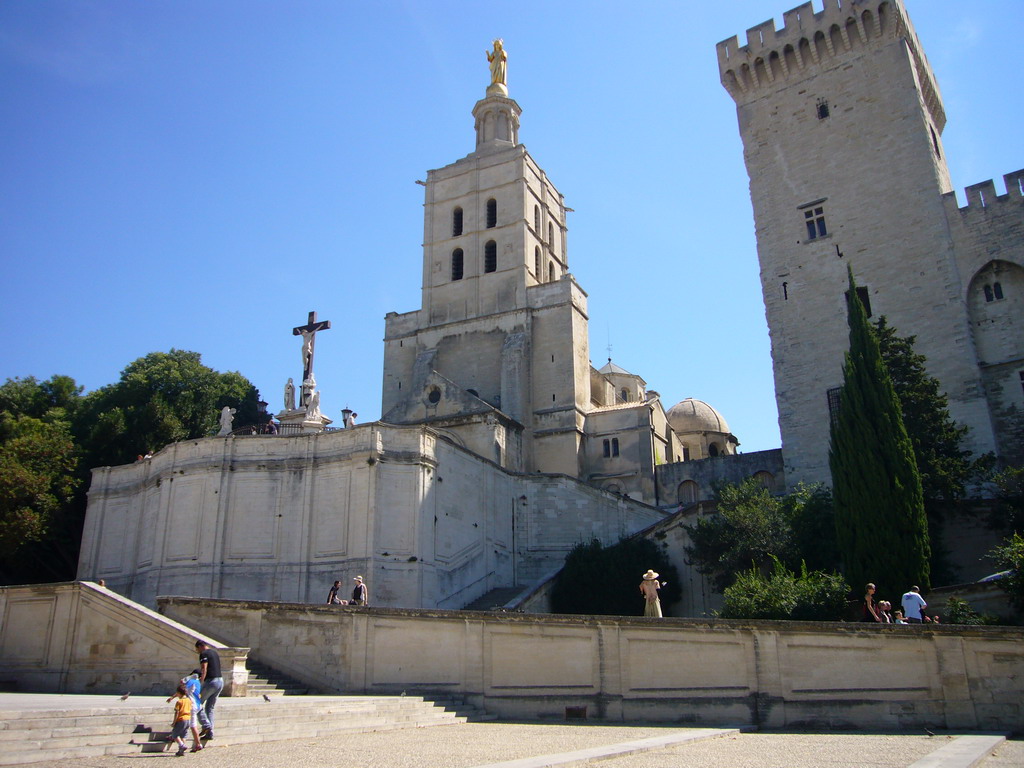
[(841, 120)]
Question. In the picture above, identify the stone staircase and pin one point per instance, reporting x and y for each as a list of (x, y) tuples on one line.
[(265, 681), (495, 599), (135, 726)]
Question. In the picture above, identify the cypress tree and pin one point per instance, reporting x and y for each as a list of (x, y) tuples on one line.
[(881, 525)]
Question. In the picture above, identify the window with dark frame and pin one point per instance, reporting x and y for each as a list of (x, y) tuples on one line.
[(822, 109), (457, 264), (814, 218), (456, 222), (833, 396), (615, 446), (490, 256), (492, 213), (607, 448)]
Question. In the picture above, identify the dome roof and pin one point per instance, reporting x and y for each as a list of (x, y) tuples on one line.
[(695, 416)]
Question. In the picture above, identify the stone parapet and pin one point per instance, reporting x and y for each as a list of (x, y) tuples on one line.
[(773, 674)]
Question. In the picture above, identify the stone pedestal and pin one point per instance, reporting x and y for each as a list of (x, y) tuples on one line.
[(297, 420)]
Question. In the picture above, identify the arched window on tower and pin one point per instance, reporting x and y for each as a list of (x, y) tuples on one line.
[(551, 272), (551, 235), (456, 222), (457, 264), (713, 449), (625, 395), (536, 263), (490, 256), (536, 218), (492, 213)]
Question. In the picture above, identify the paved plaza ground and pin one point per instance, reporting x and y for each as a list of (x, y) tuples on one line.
[(472, 745)]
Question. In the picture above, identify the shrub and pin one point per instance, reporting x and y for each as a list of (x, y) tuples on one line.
[(1010, 557), (782, 594), (960, 612)]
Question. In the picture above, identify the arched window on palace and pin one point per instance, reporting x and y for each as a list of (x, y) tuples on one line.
[(490, 256), (551, 235), (456, 222), (687, 492), (551, 272), (536, 263), (492, 213), (536, 218), (713, 449), (457, 264), (766, 480)]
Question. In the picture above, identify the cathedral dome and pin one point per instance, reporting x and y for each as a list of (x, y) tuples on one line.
[(691, 416)]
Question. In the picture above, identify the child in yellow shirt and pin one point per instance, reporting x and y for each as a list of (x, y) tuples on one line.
[(182, 718)]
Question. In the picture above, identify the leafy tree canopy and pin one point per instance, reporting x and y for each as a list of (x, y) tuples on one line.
[(161, 398), (605, 580), (753, 527), (944, 467), (37, 477)]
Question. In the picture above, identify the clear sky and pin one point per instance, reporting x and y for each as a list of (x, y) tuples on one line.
[(200, 174)]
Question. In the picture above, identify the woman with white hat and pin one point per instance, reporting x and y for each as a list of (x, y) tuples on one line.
[(359, 594), (649, 589)]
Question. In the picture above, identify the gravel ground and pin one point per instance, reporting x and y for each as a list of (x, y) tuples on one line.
[(442, 746), (480, 744), (1009, 755)]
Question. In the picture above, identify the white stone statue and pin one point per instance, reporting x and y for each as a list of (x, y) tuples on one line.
[(498, 61), (313, 409), (307, 348), (289, 395), (307, 389), (227, 417)]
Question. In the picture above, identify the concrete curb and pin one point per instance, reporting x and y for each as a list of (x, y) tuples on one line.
[(962, 752), (585, 756)]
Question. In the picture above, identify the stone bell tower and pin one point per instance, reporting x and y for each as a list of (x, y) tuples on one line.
[(497, 356), (841, 120)]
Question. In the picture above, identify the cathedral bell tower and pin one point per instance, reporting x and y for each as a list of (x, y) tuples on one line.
[(502, 332)]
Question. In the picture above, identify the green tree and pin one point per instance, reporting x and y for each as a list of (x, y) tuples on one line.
[(945, 468), (161, 398), (751, 526), (605, 580), (782, 594), (881, 525), (37, 478)]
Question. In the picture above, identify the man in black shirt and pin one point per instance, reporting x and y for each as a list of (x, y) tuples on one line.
[(213, 684)]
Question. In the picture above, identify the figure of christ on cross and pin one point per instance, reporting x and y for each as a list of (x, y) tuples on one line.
[(308, 334)]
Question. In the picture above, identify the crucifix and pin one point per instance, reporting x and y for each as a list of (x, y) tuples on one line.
[(308, 334)]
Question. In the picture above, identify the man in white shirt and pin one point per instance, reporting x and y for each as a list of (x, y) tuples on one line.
[(914, 605)]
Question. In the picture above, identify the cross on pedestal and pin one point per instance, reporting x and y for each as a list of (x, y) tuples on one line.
[(308, 333)]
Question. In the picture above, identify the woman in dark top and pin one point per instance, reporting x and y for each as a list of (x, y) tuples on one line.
[(870, 613)]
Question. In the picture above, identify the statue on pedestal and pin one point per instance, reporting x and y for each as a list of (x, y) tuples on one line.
[(289, 395), (498, 61), (227, 418)]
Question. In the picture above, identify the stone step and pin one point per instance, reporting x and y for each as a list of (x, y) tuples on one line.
[(35, 736)]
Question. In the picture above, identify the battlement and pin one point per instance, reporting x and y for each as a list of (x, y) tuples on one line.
[(809, 40), (982, 197)]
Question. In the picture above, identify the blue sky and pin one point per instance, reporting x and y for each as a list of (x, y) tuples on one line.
[(200, 174)]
